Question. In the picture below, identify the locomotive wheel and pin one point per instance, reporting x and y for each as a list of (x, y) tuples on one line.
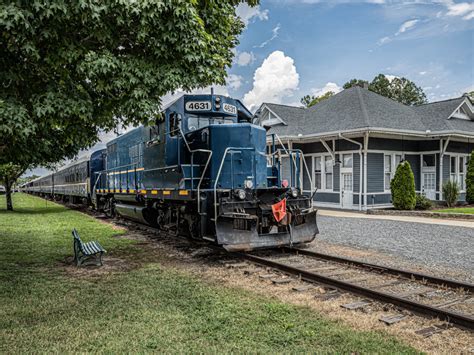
[(109, 208)]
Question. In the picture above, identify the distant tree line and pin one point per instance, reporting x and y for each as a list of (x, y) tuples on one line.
[(398, 89)]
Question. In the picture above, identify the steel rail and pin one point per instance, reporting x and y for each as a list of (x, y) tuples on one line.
[(385, 269), (463, 320)]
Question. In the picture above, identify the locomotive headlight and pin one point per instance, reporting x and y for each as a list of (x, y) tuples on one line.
[(294, 193), (248, 184), (240, 194)]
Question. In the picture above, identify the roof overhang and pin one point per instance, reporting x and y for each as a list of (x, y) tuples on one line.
[(384, 132)]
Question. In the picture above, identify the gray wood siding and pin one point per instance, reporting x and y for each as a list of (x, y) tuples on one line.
[(414, 161), (446, 168), (356, 172), (375, 172), (336, 172), (332, 197), (437, 173)]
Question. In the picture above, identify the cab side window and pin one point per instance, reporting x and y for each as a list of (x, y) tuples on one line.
[(175, 121), (155, 133)]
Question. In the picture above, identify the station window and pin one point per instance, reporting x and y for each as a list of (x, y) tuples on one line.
[(323, 172), (328, 172), (457, 170), (347, 160), (317, 173), (429, 160), (391, 162)]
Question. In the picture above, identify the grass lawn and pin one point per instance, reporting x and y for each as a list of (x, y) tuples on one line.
[(45, 308), (466, 210)]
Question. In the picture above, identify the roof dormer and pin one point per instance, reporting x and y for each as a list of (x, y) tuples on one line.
[(464, 111)]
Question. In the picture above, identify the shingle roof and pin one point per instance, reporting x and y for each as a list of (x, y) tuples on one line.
[(357, 108)]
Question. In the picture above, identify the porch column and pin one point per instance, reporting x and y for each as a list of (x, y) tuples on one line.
[(442, 151), (366, 148)]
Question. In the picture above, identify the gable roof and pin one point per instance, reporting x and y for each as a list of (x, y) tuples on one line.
[(356, 109)]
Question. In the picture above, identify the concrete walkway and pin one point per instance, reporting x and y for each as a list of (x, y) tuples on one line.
[(426, 220)]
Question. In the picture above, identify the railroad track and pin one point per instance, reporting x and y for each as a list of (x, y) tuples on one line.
[(440, 296), (365, 279)]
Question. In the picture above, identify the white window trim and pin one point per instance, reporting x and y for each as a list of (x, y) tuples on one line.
[(323, 172), (393, 167), (457, 173)]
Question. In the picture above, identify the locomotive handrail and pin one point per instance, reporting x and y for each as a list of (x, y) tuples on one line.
[(192, 167), (236, 149), (304, 161)]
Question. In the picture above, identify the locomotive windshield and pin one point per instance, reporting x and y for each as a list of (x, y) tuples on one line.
[(196, 122)]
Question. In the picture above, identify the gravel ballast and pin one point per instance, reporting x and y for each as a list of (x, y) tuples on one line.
[(425, 244)]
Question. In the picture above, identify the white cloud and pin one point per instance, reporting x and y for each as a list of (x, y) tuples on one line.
[(274, 35), (274, 80), (249, 14), (464, 9), (245, 58), (328, 87), (422, 72), (459, 9), (384, 40), (406, 26), (234, 81)]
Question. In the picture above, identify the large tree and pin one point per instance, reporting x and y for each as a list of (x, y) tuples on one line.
[(69, 69), (398, 89)]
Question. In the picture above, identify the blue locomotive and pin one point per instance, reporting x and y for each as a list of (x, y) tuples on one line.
[(203, 171)]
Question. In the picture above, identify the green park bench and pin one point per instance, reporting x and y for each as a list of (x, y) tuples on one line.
[(86, 251)]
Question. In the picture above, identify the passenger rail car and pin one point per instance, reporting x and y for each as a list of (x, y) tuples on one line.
[(202, 171), (71, 183)]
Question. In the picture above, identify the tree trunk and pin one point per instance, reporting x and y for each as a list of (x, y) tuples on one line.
[(8, 188)]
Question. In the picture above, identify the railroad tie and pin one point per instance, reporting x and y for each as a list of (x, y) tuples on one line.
[(391, 319), (356, 305), (303, 288), (429, 331), (281, 281)]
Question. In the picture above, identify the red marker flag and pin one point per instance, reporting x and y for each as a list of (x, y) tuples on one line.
[(279, 210)]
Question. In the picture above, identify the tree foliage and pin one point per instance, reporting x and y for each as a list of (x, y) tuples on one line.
[(311, 100), (354, 82), (403, 187), (398, 89), (470, 180), (70, 69)]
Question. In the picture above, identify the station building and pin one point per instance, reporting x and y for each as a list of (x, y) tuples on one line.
[(353, 142)]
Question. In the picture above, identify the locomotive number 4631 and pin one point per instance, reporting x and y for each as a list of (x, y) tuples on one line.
[(198, 106)]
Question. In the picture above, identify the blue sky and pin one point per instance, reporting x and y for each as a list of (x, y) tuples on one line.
[(291, 48)]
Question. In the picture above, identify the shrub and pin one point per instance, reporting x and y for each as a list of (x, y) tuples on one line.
[(470, 180), (403, 187), (423, 203), (450, 192)]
